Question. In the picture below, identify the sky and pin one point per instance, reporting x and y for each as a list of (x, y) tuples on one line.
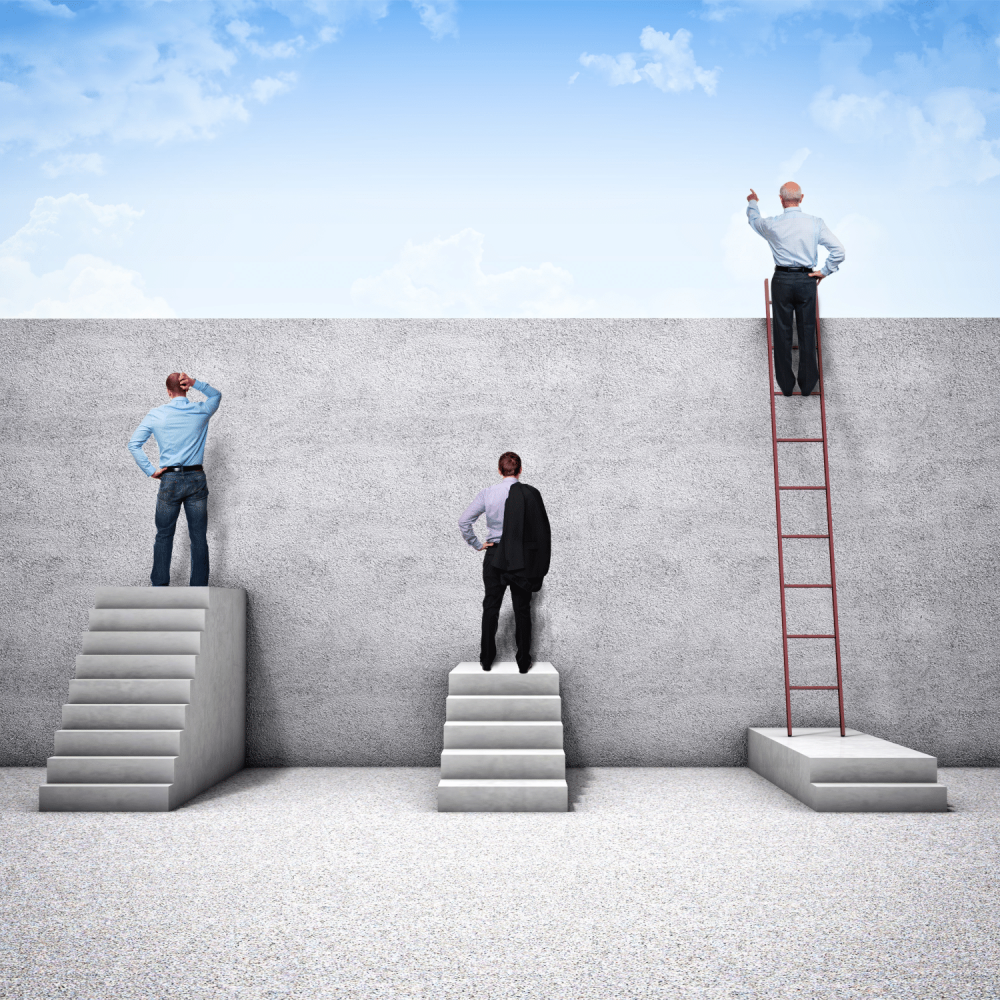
[(331, 158)]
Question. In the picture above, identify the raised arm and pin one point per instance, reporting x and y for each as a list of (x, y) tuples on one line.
[(139, 437), (212, 395), (465, 522), (757, 224)]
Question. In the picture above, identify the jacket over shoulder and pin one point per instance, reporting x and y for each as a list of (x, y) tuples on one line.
[(526, 544)]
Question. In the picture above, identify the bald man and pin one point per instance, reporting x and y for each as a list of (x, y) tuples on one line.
[(795, 238)]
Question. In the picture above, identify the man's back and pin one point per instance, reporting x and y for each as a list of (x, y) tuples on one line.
[(180, 428)]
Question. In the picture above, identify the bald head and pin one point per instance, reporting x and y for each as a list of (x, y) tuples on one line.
[(790, 194)]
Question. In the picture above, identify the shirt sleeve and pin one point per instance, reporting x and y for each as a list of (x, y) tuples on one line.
[(474, 510), (213, 397), (757, 223), (835, 250), (135, 443)]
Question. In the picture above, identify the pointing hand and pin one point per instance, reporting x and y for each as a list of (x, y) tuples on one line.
[(752, 196)]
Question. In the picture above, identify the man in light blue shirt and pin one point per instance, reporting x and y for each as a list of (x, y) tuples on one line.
[(180, 428), (795, 239)]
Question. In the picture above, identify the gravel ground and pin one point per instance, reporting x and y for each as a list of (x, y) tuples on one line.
[(345, 882)]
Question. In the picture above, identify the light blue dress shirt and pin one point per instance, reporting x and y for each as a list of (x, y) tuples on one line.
[(491, 502), (795, 237), (180, 428)]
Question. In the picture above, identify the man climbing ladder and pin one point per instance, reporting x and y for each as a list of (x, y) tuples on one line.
[(795, 239)]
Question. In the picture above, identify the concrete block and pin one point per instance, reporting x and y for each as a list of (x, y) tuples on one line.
[(515, 763), (124, 716), (147, 619), (152, 597), (104, 798), (135, 665), (854, 773), (503, 735), (131, 691), (142, 642), (502, 795), (524, 708), (110, 770), (470, 679), (118, 742)]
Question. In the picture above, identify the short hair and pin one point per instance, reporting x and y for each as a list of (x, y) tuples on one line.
[(174, 384), (509, 464), (790, 191)]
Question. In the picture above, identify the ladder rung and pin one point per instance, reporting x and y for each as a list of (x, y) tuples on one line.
[(800, 440), (801, 487), (805, 536), (813, 687), (804, 585), (810, 637)]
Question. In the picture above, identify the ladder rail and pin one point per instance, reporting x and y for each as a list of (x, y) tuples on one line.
[(778, 489)]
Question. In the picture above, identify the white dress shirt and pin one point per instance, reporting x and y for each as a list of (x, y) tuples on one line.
[(795, 237)]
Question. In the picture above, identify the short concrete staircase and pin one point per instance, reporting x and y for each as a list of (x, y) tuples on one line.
[(852, 773), (156, 712), (503, 741)]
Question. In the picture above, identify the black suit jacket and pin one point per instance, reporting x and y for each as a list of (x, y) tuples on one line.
[(526, 544)]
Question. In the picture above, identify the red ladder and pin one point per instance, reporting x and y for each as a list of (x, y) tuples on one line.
[(778, 489)]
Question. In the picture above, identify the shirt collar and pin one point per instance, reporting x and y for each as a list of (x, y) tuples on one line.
[(795, 209)]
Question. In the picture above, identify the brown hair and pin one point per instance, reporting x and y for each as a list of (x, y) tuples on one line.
[(510, 464), (174, 384)]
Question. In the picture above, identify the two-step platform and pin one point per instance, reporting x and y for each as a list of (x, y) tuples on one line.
[(156, 712), (503, 741), (852, 773)]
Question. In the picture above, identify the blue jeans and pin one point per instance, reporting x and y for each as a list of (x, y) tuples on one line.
[(189, 489)]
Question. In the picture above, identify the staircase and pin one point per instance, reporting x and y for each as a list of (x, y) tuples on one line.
[(156, 712), (503, 741)]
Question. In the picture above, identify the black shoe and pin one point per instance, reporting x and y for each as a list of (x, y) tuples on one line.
[(485, 667), (523, 670)]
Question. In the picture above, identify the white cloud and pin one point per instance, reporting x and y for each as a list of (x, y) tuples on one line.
[(944, 135), (572, 79), (282, 49), (264, 89), (671, 65), (445, 277), (47, 268), (792, 165), (74, 163), (437, 16)]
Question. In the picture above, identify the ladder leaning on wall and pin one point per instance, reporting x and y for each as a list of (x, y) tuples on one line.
[(782, 537)]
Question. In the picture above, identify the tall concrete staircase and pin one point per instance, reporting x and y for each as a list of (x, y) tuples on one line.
[(156, 712), (503, 741)]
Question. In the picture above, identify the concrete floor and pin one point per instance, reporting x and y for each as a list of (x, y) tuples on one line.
[(345, 882)]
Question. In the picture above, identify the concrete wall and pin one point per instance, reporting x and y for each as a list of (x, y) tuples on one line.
[(345, 450)]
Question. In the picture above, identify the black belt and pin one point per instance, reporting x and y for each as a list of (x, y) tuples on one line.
[(797, 270), (184, 468)]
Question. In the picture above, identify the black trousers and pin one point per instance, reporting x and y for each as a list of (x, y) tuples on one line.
[(794, 292), (521, 600)]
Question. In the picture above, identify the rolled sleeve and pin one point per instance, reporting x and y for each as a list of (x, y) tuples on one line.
[(465, 522), (835, 251), (135, 443), (212, 397)]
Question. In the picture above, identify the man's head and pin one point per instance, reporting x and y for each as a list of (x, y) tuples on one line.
[(509, 465), (790, 194), (175, 385)]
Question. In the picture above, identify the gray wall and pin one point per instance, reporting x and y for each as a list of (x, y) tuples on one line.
[(345, 450)]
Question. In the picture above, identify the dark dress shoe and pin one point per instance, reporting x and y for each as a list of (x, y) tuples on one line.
[(485, 667), (523, 670)]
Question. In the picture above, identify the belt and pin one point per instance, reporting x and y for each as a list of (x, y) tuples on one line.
[(797, 270), (184, 468)]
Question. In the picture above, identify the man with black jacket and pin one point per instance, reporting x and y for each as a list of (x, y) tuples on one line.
[(518, 547)]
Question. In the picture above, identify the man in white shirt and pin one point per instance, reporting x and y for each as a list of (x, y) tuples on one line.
[(795, 239)]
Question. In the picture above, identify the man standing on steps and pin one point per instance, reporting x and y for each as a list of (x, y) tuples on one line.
[(517, 550), (180, 428), (794, 239)]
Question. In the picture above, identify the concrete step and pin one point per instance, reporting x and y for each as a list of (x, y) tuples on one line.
[(124, 716), (470, 764), (129, 691), (137, 665), (503, 735), (504, 678), (77, 797), (118, 742), (152, 597), (110, 770), (147, 619), (142, 642), (520, 707), (877, 796), (502, 795)]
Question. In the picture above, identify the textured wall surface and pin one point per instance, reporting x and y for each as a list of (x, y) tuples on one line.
[(344, 452)]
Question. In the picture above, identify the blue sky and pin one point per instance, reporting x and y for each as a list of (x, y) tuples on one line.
[(477, 159)]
